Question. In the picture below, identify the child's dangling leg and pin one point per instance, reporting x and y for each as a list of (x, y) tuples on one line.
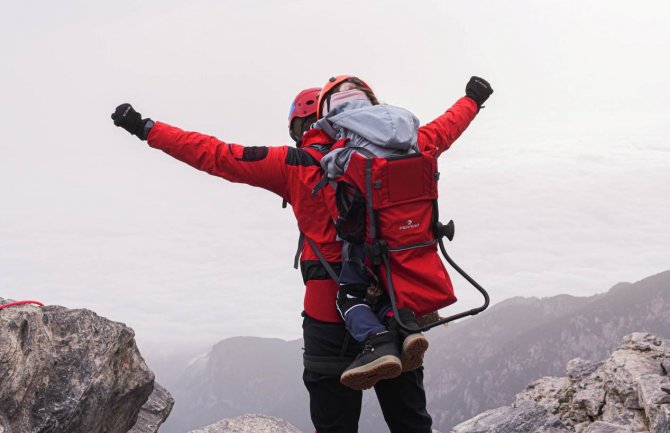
[(380, 358), (414, 343)]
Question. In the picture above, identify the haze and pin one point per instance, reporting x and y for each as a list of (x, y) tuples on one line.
[(561, 185)]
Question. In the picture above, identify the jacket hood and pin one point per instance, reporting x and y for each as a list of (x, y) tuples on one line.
[(382, 125)]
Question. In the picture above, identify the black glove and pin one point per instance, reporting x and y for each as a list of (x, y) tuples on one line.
[(127, 118), (479, 90)]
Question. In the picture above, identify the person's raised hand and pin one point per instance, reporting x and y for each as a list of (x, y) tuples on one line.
[(479, 90), (127, 118)]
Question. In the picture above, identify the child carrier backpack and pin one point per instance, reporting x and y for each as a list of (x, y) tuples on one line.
[(396, 198)]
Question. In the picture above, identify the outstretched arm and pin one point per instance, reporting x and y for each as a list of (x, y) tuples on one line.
[(264, 167), (438, 135)]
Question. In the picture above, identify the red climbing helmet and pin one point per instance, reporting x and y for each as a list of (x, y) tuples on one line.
[(302, 113), (304, 104)]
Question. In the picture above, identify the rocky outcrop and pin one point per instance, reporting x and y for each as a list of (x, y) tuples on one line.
[(71, 371), (251, 423), (154, 412), (629, 392)]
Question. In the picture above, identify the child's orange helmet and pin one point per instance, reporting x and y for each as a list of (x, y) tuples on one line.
[(334, 82)]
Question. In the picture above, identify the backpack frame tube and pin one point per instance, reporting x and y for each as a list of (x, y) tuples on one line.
[(472, 312)]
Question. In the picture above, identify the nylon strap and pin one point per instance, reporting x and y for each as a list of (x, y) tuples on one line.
[(327, 127), (298, 253), (328, 365), (323, 182), (323, 260), (372, 233), (363, 151)]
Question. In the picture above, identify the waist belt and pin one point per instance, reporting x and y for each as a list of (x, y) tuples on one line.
[(328, 365)]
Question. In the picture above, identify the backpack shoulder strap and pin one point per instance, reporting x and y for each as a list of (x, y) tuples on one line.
[(319, 255), (323, 260), (298, 253), (324, 181), (317, 151)]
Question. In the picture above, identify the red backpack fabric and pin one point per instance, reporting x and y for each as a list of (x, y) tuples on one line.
[(400, 199)]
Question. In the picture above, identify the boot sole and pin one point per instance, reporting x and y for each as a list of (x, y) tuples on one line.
[(366, 376), (413, 349)]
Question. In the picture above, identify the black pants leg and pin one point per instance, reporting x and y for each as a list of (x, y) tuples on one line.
[(334, 408), (403, 403)]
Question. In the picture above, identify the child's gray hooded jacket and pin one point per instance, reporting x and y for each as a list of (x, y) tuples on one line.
[(383, 130)]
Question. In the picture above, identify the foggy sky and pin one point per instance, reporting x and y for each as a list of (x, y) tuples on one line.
[(561, 184)]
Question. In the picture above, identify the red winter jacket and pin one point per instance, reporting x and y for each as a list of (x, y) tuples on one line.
[(292, 173)]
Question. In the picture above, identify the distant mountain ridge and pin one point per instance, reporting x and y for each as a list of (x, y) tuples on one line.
[(472, 366), (238, 374)]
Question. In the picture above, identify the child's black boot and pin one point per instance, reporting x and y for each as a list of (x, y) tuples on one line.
[(414, 343), (378, 361)]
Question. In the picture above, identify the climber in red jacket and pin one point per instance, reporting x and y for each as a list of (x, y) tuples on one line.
[(292, 173)]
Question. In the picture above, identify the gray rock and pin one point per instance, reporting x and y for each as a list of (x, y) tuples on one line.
[(663, 421), (579, 368), (4, 425), (546, 392), (605, 427), (251, 423), (621, 373), (650, 393), (591, 400), (523, 417), (665, 365), (665, 397), (640, 337), (154, 412), (642, 342), (68, 371), (580, 427), (649, 390)]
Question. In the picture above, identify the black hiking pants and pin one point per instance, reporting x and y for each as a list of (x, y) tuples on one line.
[(335, 408)]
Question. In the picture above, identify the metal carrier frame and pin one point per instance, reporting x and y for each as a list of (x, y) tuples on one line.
[(440, 230)]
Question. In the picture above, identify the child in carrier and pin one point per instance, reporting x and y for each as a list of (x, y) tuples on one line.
[(348, 109)]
